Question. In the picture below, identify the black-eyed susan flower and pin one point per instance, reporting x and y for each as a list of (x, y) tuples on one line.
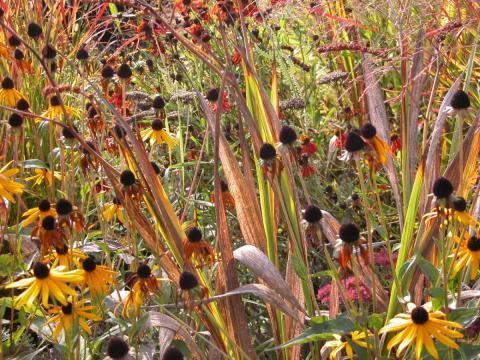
[(63, 256), (195, 247), (8, 187), (55, 110), (380, 147), (34, 30), (117, 348), (97, 278), (44, 208), (460, 213), (49, 233), (349, 235), (227, 198), (341, 342), (157, 133), (141, 283), (130, 184), (15, 121), (269, 160), (68, 215), (189, 287), (46, 282), (468, 255), (109, 210), (8, 94), (65, 316), (418, 326), (354, 144), (44, 176)]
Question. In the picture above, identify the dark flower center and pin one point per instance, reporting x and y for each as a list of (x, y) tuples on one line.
[(124, 71), (442, 188), (172, 353), (54, 101), (157, 124), (473, 243), (48, 223), (44, 205), (312, 214), (89, 264), (349, 232), (212, 94), (22, 105), (144, 271), (194, 234), (368, 131), (49, 52), (34, 30), (61, 250), (127, 178), (18, 54), (287, 135), (116, 200), (107, 72), (63, 207), (460, 100), (67, 309), (82, 54), (188, 281), (459, 204), (267, 152), (14, 41), (15, 120), (7, 83), (158, 103), (40, 270), (117, 347), (419, 315), (354, 142)]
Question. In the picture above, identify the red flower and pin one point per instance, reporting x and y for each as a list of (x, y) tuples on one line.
[(396, 143), (307, 170), (341, 138), (308, 147), (227, 107)]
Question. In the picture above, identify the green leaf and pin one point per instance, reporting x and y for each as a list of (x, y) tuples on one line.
[(6, 264), (34, 164), (430, 271), (463, 315), (376, 321), (299, 267)]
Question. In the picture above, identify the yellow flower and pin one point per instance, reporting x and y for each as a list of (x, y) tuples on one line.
[(44, 175), (62, 256), (98, 278), (341, 342), (381, 148), (158, 133), (8, 94), (7, 186), (55, 110), (43, 209), (468, 255), (47, 282), (66, 315), (4, 52), (460, 213), (418, 326), (133, 300), (110, 209)]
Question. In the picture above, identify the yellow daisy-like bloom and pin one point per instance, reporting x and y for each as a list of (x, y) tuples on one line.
[(468, 255), (460, 213), (381, 148), (55, 110), (9, 187), (46, 282), (66, 315), (418, 326), (341, 342), (98, 278), (111, 209), (8, 94), (63, 256), (44, 175), (133, 300), (43, 209), (158, 133)]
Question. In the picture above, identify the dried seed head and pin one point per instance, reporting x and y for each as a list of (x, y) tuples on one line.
[(194, 235), (63, 207), (127, 178), (442, 188), (34, 30), (287, 135), (473, 243), (349, 232), (419, 315), (368, 131), (212, 94), (158, 103), (15, 120), (40, 270), (144, 271), (44, 205), (107, 72), (124, 71), (459, 204), (49, 52), (354, 142), (117, 348), (172, 353), (48, 223), (460, 100), (312, 214), (188, 281), (267, 152), (22, 105)]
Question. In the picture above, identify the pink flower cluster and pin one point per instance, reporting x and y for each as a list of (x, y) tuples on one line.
[(381, 257), (323, 294)]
